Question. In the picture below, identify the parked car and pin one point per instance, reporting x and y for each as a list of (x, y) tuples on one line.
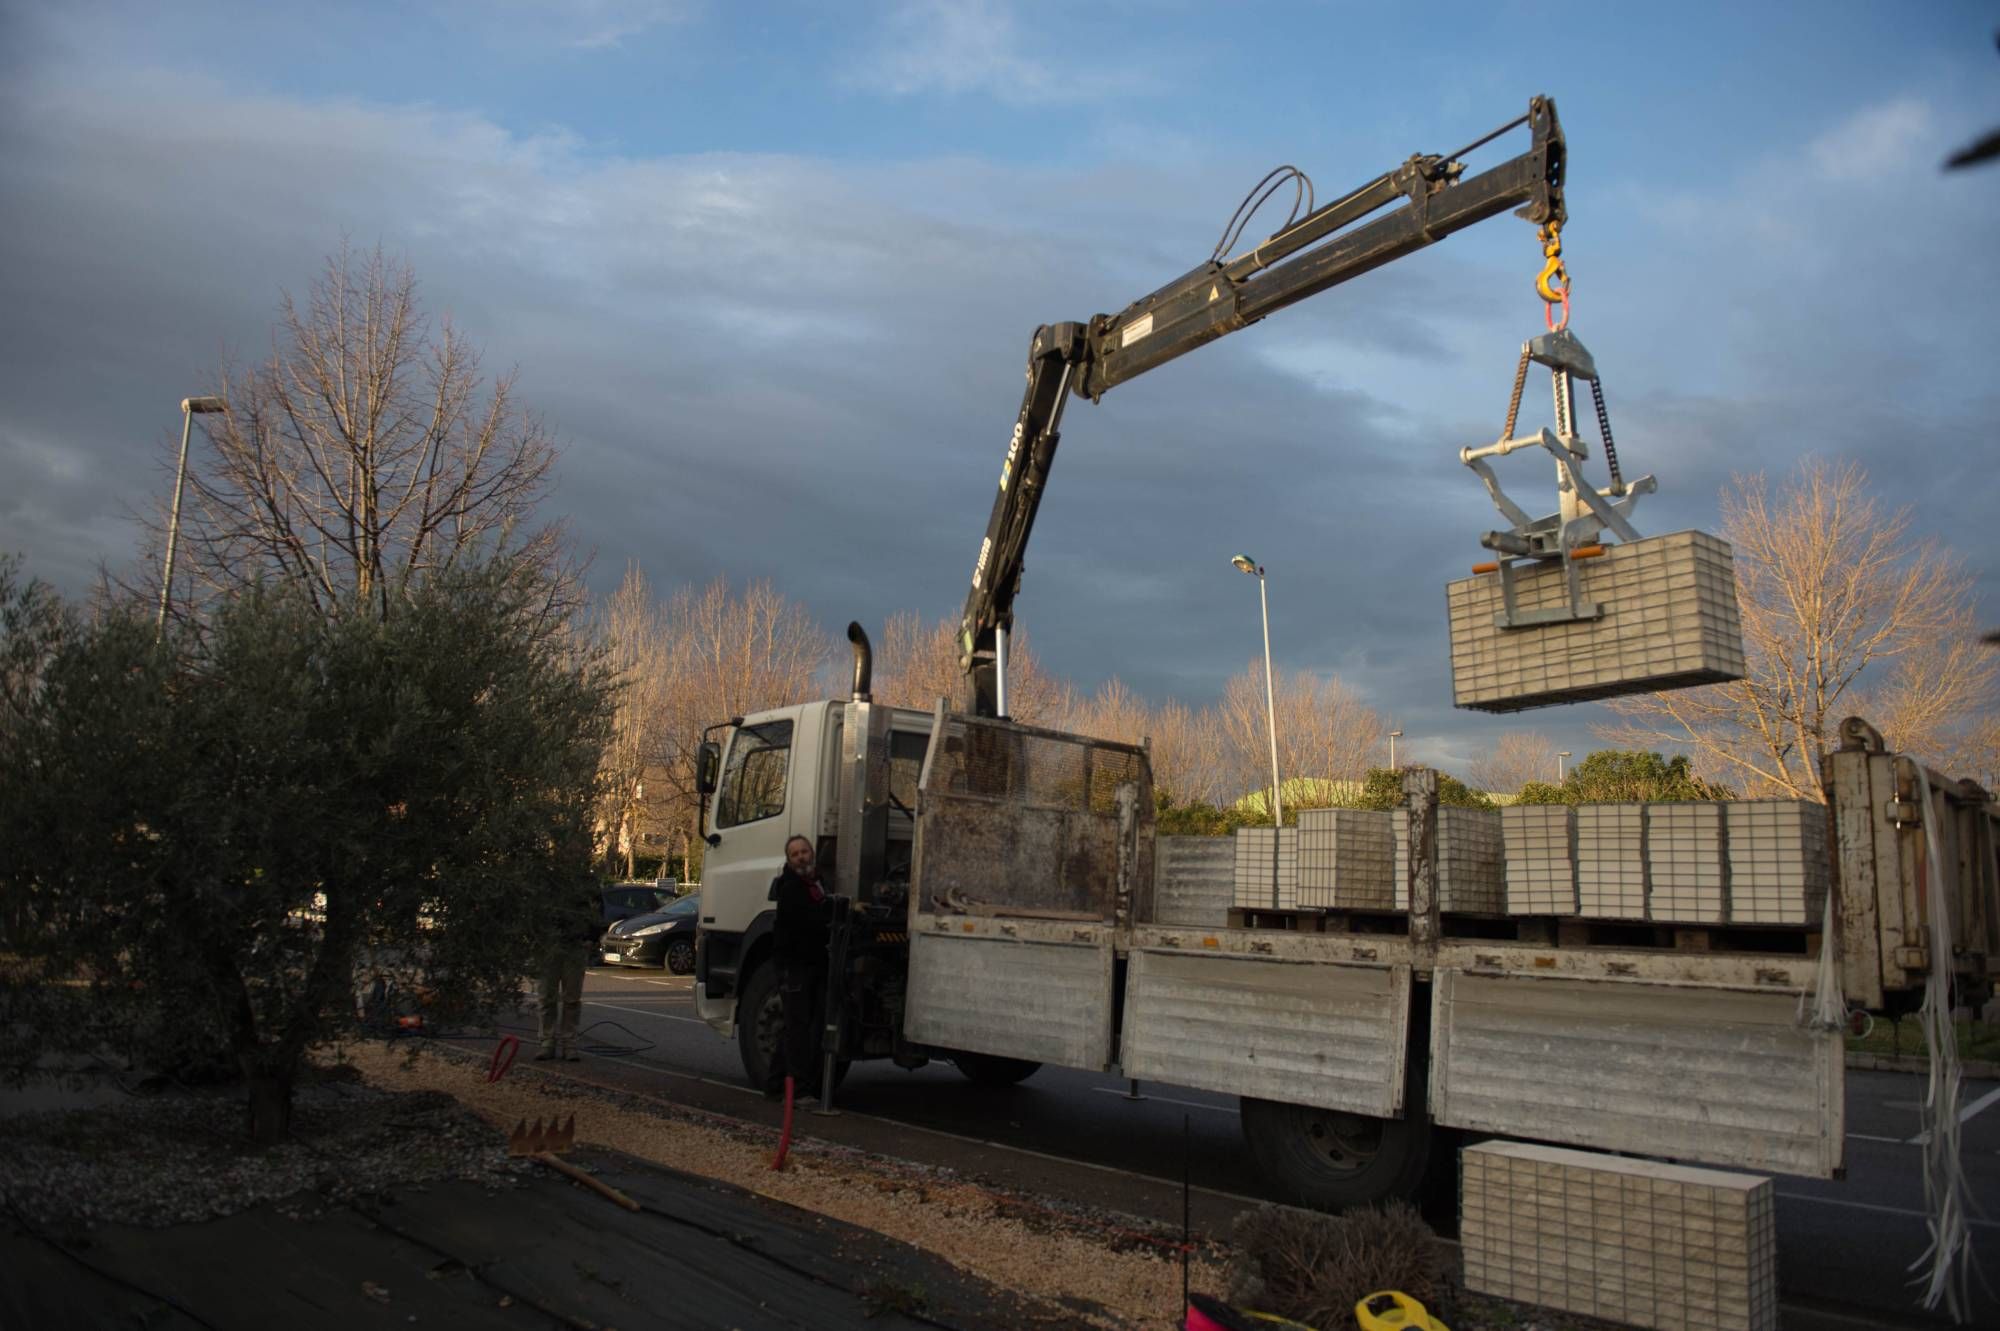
[(621, 901), (663, 937)]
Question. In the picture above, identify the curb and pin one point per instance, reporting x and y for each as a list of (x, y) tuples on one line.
[(1968, 1067)]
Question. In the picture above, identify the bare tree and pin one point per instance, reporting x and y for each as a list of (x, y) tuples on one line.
[(1187, 752), (1516, 758), (630, 631), (1325, 732), (726, 654), (1843, 613), (364, 453), (918, 664)]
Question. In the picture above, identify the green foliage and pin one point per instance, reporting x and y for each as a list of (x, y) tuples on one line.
[(213, 834), (1199, 818), (1617, 776), (1383, 789)]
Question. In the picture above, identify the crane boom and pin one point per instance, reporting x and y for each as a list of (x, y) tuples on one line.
[(1330, 245)]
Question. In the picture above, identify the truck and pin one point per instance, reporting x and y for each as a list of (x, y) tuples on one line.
[(1001, 885)]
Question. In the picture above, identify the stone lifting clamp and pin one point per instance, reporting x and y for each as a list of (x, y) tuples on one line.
[(1584, 513)]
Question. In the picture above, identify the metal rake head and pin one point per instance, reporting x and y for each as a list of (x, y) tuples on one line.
[(538, 1140)]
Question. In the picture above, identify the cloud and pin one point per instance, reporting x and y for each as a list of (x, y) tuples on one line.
[(974, 47), (584, 25), (1884, 139)]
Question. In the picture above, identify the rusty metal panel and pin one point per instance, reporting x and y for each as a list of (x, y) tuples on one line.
[(1019, 998), (1712, 1076), (1304, 1032), (1194, 880)]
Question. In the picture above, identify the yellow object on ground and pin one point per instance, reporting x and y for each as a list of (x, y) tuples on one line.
[(1393, 1310)]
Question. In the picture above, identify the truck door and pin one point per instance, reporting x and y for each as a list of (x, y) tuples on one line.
[(750, 821)]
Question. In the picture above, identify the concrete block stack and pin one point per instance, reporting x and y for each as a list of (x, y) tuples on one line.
[(1471, 861), (1626, 1240), (1778, 866), (1540, 841), (1684, 859), (1347, 859), (1669, 621), (1262, 884), (1611, 861), (1194, 880)]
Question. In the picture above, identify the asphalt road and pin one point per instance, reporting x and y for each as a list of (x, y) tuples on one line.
[(1845, 1246)]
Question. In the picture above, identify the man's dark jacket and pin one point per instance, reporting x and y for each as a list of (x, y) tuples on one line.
[(800, 935)]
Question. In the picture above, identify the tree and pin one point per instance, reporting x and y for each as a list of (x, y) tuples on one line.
[(211, 835), (1621, 776), (629, 631), (1325, 731), (1843, 612), (1383, 789), (1516, 758), (363, 454)]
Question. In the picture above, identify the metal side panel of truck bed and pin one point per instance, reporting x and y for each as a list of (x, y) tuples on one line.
[(1020, 989), (1719, 1076), (1268, 1027)]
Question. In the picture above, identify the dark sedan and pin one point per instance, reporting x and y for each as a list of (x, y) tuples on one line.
[(664, 937)]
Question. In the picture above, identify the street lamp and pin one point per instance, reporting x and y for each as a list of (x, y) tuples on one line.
[(1252, 567), (1561, 758), (1394, 735), (190, 408)]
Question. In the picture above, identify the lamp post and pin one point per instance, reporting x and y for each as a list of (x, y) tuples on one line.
[(1394, 735), (190, 408), (1252, 567), (1561, 758)]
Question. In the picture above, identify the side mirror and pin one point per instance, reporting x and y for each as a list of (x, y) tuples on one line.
[(707, 763)]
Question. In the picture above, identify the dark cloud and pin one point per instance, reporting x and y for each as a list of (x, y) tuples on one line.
[(787, 368)]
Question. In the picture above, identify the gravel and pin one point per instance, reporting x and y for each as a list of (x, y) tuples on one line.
[(179, 1157)]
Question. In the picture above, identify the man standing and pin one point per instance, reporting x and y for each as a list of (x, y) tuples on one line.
[(799, 941), (575, 930)]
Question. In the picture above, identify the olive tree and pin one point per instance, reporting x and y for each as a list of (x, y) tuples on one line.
[(208, 836)]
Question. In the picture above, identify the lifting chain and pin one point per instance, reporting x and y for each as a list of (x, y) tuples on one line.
[(1514, 402), (1552, 283), (1604, 427)]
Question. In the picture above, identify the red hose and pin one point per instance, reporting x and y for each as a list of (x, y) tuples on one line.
[(509, 1046), (784, 1134)]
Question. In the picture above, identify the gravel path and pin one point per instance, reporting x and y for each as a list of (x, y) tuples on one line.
[(1097, 1269)]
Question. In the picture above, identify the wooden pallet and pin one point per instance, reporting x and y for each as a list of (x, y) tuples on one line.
[(1546, 931)]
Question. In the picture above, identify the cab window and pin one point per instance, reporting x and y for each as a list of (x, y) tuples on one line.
[(753, 781), (906, 764)]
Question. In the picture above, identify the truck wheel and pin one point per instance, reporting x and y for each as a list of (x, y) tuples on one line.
[(993, 1070), (760, 1027), (1335, 1161)]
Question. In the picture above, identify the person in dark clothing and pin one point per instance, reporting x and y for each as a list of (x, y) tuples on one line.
[(574, 926), (799, 942)]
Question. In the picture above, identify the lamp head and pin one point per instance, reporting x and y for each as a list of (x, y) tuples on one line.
[(1247, 564), (198, 406)]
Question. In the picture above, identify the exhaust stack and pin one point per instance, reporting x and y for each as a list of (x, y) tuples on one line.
[(864, 661)]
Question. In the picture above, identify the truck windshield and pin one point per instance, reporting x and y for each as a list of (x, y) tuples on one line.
[(753, 782)]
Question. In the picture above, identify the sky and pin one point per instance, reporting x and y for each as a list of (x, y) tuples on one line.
[(770, 270)]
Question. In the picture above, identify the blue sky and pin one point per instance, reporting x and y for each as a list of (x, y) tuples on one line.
[(770, 271)]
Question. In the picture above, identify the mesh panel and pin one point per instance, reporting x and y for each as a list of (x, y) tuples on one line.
[(1017, 820), (1038, 769)]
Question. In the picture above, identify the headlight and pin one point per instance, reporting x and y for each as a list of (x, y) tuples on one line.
[(650, 929)]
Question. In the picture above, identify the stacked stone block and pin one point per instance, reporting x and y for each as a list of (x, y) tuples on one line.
[(1778, 867), (1471, 861), (1685, 862), (1541, 858), (1669, 621), (1256, 888), (1611, 861), (1627, 1240), (1346, 859)]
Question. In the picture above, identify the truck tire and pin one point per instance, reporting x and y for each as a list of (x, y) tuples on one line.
[(760, 1025), (993, 1070), (1333, 1161)]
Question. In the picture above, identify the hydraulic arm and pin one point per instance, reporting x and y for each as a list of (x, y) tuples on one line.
[(1431, 199)]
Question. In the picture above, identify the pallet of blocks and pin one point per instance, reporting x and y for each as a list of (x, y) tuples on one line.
[(1779, 871), (1541, 858), (1611, 861), (1267, 868), (1347, 859), (1666, 619), (1684, 863), (1632, 1241), (1471, 861)]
